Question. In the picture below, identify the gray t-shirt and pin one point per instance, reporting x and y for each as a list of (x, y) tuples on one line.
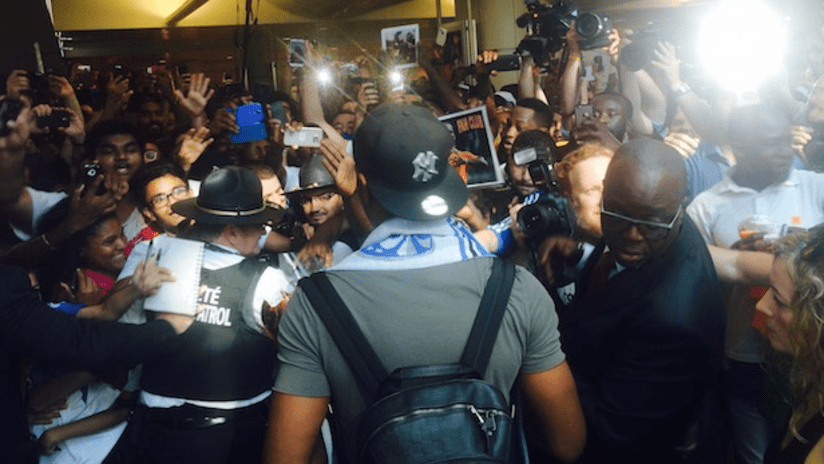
[(414, 317)]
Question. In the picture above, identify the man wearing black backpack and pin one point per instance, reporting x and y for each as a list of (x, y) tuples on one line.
[(404, 305)]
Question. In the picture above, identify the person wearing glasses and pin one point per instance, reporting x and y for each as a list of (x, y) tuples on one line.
[(644, 331), (157, 186), (761, 191)]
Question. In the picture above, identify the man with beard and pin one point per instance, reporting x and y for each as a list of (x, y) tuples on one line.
[(528, 114), (152, 117), (323, 206), (505, 236), (608, 125)]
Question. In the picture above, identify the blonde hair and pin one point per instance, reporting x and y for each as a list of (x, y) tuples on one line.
[(584, 152), (804, 256)]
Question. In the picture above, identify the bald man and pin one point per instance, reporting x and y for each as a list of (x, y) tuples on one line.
[(644, 333)]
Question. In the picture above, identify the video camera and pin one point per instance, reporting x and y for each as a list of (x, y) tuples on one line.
[(552, 214), (547, 26)]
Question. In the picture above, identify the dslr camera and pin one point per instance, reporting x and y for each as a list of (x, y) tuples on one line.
[(552, 214)]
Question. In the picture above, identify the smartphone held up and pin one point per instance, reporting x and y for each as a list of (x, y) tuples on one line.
[(306, 137)]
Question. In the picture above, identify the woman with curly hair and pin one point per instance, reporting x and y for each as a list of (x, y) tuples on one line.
[(794, 306)]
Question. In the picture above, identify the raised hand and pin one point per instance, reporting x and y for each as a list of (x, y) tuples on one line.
[(195, 100), (17, 83), (224, 120), (60, 86), (484, 58), (193, 145), (86, 207), (341, 166), (683, 143), (667, 61), (118, 93)]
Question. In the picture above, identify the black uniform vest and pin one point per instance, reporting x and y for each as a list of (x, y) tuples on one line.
[(220, 357)]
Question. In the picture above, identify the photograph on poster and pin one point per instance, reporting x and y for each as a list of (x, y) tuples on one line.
[(401, 44), (474, 153)]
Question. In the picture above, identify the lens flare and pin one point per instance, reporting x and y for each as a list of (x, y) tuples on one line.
[(324, 76), (742, 43)]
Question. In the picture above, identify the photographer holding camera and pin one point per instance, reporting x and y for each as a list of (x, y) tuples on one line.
[(529, 168), (563, 257)]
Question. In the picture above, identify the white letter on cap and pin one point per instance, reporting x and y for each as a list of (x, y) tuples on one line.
[(424, 166)]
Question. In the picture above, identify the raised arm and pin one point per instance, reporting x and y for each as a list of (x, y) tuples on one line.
[(570, 83), (697, 111), (310, 97)]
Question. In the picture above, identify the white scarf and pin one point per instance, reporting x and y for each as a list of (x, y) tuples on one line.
[(398, 244)]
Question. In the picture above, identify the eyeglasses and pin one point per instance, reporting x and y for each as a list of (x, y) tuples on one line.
[(305, 200), (163, 198), (649, 229)]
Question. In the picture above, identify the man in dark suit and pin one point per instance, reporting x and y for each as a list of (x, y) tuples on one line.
[(644, 334)]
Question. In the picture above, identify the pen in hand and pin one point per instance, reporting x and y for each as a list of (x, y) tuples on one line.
[(148, 254)]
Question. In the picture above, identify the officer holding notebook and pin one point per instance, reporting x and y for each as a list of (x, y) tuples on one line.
[(208, 401)]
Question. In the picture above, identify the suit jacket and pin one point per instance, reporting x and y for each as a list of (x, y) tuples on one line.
[(29, 327), (646, 351)]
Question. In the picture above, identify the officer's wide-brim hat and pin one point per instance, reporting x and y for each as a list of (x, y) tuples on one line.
[(232, 195), (403, 152)]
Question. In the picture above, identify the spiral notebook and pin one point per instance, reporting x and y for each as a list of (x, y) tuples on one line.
[(185, 259)]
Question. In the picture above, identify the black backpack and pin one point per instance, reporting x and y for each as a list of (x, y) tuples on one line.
[(426, 414)]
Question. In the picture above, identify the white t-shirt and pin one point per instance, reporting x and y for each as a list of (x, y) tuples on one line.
[(717, 212)]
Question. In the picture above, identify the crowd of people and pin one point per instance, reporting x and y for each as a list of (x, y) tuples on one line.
[(667, 305)]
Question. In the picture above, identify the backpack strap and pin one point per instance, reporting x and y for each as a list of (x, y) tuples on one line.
[(491, 311), (367, 368)]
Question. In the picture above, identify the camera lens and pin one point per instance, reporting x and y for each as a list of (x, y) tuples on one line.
[(588, 25), (539, 220)]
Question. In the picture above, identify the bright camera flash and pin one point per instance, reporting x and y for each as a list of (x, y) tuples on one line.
[(324, 76), (742, 44), (395, 77)]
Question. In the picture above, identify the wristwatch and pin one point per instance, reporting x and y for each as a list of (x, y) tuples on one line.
[(681, 90)]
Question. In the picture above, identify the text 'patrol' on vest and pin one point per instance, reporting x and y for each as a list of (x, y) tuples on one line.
[(212, 313)]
